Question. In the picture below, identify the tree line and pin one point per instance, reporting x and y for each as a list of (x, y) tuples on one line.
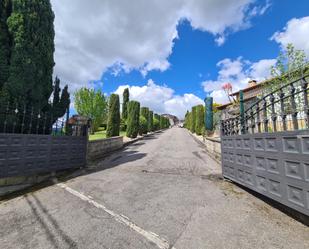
[(195, 120), (133, 119)]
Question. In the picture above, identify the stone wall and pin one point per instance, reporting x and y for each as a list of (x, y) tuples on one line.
[(99, 148), (213, 147)]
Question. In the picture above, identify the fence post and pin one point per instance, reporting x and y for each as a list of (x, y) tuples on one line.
[(209, 114), (242, 112)]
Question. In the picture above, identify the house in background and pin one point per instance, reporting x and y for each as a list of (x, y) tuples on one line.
[(251, 93), (173, 119)]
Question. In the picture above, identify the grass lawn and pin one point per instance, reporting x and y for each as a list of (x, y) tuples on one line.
[(101, 135)]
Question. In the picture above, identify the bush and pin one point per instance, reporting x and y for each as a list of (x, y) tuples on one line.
[(133, 119), (113, 122), (143, 125), (145, 112), (200, 119), (193, 119), (164, 122), (126, 98), (156, 124), (150, 121), (123, 126)]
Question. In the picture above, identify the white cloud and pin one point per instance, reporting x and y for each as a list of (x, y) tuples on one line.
[(91, 36), (261, 70), (161, 98), (296, 32), (237, 72)]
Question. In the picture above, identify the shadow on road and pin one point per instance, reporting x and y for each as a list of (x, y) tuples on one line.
[(56, 236)]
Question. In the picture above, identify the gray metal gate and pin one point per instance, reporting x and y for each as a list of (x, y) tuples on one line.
[(31, 154), (266, 148)]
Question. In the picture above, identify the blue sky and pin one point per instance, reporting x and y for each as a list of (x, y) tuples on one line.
[(190, 64)]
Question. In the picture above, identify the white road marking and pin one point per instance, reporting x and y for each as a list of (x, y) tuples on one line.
[(156, 239)]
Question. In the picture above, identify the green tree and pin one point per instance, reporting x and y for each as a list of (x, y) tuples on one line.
[(92, 104), (113, 122), (156, 122), (143, 125), (32, 52), (187, 120), (61, 100), (200, 119), (193, 119), (164, 122), (5, 41), (133, 119), (150, 121), (126, 99), (290, 64), (145, 112)]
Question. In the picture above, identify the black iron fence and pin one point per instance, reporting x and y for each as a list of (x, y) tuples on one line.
[(285, 109), (266, 147), (34, 141), (22, 119)]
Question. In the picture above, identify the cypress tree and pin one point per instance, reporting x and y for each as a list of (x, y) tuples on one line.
[(133, 119), (5, 11), (156, 122), (200, 120), (143, 125), (145, 112), (193, 119), (144, 120), (126, 99), (187, 120), (150, 121), (32, 61), (162, 121), (113, 122)]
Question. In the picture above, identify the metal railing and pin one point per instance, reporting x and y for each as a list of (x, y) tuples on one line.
[(285, 109), (21, 119)]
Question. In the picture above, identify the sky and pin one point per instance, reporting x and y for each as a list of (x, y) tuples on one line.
[(172, 54)]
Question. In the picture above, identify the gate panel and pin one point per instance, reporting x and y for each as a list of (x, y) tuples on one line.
[(273, 164), (28, 154)]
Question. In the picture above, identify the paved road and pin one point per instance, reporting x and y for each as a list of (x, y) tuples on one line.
[(162, 192)]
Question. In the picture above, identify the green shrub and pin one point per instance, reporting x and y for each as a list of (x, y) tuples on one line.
[(200, 119), (145, 112), (150, 121), (143, 125), (126, 99), (123, 125), (133, 119), (156, 124), (113, 122), (193, 119), (164, 122)]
